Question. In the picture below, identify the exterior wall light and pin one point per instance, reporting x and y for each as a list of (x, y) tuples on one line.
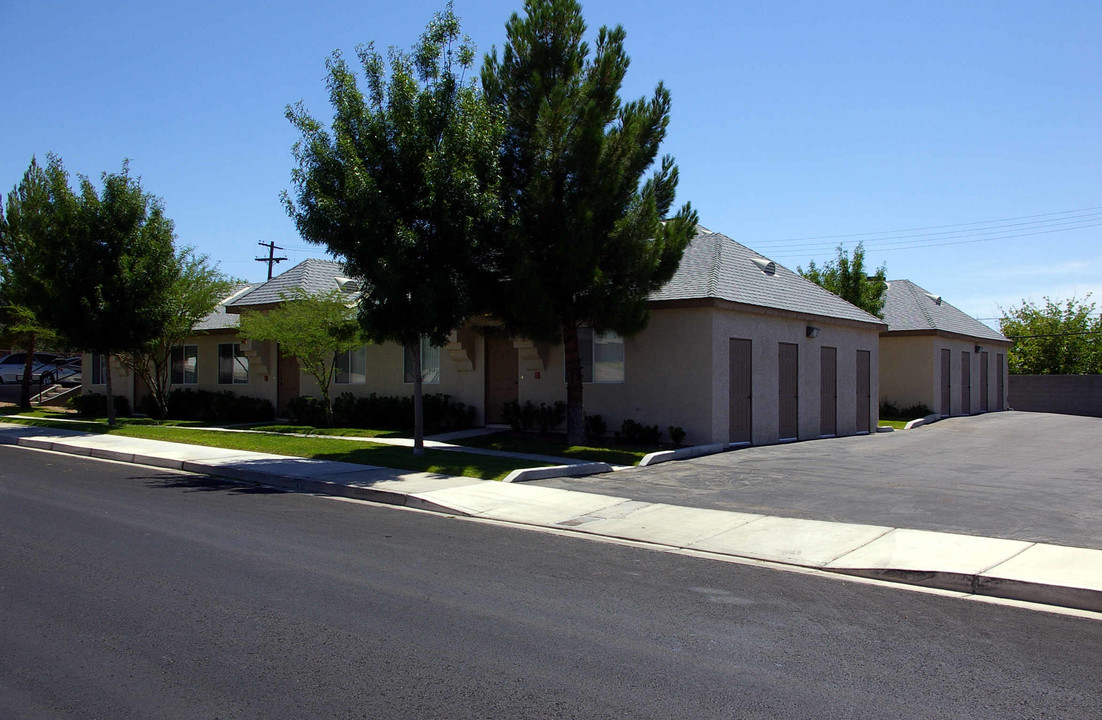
[(812, 331)]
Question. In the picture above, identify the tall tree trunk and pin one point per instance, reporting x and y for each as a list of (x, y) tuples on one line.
[(28, 371), (575, 409), (110, 390), (418, 405)]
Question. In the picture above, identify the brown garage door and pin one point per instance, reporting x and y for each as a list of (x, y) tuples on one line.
[(828, 391), (946, 370), (965, 383), (1000, 386), (983, 381), (788, 369), (741, 392), (864, 391)]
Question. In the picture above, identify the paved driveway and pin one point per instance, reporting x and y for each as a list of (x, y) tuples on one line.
[(1025, 476)]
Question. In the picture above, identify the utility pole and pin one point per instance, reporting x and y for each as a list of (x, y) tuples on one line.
[(271, 259)]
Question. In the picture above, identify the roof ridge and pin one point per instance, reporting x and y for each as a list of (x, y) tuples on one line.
[(911, 288), (717, 264)]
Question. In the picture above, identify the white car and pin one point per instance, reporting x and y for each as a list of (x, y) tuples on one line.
[(47, 368)]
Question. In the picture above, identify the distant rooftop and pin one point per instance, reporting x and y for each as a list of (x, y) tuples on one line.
[(313, 275), (220, 319), (908, 307)]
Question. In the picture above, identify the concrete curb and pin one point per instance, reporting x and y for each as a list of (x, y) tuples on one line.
[(932, 418), (542, 473), (682, 453), (985, 585)]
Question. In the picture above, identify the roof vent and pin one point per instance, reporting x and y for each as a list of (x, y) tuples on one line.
[(347, 285), (767, 266), (935, 298)]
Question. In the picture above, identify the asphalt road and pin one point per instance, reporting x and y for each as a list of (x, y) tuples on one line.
[(1014, 475), (127, 592)]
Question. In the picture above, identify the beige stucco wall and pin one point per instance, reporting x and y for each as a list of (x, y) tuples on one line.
[(262, 368), (122, 380), (677, 372), (667, 377), (766, 332), (909, 371), (911, 368), (385, 373)]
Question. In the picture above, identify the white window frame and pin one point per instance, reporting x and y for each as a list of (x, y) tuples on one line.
[(99, 369), (350, 359), (430, 364), (239, 360), (183, 358), (592, 374)]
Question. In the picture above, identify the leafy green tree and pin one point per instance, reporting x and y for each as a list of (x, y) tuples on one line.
[(108, 282), (404, 187), (848, 279), (26, 222), (1054, 338), (195, 291), (311, 328), (583, 242)]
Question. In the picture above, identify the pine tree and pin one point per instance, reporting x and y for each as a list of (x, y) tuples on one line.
[(585, 239)]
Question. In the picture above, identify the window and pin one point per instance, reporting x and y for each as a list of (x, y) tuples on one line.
[(430, 364), (233, 367), (99, 369), (184, 364), (602, 355), (352, 366)]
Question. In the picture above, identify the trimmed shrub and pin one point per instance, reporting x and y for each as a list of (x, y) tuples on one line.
[(634, 433), (306, 410), (95, 405), (387, 412), (225, 406), (889, 409), (916, 411), (677, 435), (550, 417), (595, 427)]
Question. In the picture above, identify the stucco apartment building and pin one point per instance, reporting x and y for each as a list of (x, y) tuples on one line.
[(936, 355), (738, 350)]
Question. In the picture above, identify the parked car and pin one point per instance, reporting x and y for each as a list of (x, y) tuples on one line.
[(47, 368)]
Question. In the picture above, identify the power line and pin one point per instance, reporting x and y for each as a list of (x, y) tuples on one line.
[(939, 227), (1076, 223), (912, 246), (1049, 335)]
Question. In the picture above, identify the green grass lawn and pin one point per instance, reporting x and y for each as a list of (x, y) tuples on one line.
[(314, 430), (613, 454), (445, 462), (897, 424)]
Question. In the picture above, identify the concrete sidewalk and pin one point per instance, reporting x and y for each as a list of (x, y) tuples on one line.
[(1015, 569)]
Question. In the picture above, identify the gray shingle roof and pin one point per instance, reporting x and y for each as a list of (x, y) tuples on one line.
[(315, 276), (909, 307), (715, 266), (220, 319)]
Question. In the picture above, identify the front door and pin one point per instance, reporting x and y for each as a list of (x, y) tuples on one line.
[(287, 385), (788, 385), (741, 392), (965, 383), (946, 369), (502, 374), (864, 391), (828, 391)]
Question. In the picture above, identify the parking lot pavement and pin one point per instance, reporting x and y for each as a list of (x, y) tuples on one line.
[(1014, 475)]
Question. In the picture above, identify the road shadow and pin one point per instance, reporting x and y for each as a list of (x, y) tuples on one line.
[(205, 483)]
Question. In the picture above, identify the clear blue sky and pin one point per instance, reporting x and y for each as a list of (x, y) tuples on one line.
[(791, 121)]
